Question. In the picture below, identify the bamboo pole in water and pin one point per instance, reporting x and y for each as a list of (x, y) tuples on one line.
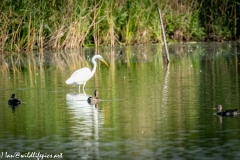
[(164, 37)]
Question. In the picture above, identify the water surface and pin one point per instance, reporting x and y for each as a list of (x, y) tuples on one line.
[(147, 109)]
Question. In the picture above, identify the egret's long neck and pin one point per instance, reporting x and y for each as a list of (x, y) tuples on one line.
[(94, 67)]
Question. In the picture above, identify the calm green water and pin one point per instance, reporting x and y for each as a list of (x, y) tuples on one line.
[(147, 110)]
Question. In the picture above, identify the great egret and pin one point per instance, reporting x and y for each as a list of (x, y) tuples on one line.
[(82, 75), (232, 112), (13, 101), (94, 99)]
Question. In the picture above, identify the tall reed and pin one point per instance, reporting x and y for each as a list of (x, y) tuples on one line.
[(34, 25)]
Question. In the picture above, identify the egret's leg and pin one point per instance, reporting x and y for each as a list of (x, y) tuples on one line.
[(84, 86), (79, 88)]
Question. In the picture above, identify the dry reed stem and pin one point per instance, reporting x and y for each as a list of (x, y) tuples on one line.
[(55, 38)]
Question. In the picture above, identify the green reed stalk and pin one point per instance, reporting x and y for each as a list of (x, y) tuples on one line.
[(30, 24)]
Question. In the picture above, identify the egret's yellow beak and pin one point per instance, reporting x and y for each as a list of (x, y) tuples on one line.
[(214, 108), (104, 62)]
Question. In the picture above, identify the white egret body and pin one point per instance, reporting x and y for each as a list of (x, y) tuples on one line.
[(82, 75)]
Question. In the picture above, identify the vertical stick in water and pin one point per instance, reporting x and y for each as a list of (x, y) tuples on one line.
[(164, 37)]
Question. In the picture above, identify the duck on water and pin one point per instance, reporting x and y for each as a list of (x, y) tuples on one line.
[(13, 101), (93, 100), (230, 112)]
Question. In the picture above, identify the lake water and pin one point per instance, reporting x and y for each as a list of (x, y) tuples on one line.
[(147, 109)]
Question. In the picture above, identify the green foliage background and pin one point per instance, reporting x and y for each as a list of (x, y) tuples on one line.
[(31, 24)]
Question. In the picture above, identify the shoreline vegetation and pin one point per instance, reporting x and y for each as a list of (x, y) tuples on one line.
[(36, 25)]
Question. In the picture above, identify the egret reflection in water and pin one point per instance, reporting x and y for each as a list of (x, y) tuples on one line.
[(85, 115)]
